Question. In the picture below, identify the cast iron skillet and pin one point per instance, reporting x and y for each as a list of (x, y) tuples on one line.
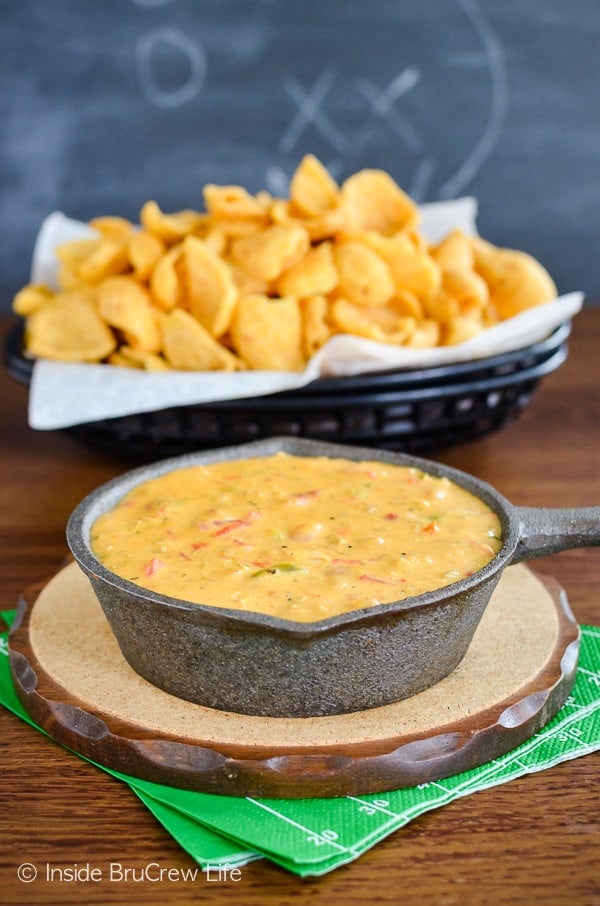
[(254, 663)]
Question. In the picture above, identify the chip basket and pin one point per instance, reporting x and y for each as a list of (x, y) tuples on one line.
[(413, 411)]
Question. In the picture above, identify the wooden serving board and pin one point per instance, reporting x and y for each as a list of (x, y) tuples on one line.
[(71, 677)]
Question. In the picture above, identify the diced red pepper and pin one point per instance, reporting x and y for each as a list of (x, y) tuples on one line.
[(153, 566), (367, 578), (305, 496), (229, 525)]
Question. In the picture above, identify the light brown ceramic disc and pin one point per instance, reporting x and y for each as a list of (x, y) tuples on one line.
[(72, 678)]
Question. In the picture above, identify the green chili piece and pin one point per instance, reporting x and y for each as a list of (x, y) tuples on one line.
[(278, 568)]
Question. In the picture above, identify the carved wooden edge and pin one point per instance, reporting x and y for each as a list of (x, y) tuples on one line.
[(295, 772)]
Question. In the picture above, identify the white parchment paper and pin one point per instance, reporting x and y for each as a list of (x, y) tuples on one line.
[(63, 394)]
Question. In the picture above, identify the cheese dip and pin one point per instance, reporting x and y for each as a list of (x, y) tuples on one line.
[(302, 538)]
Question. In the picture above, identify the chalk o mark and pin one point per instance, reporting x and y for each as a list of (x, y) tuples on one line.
[(189, 49), (494, 56)]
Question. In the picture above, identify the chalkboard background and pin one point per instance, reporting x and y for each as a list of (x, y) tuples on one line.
[(106, 104)]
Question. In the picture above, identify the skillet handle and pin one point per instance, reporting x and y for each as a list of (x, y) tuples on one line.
[(547, 531)]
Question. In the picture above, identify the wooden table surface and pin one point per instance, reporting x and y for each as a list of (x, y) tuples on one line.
[(536, 837)]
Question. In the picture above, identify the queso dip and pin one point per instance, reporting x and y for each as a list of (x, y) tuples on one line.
[(302, 538)]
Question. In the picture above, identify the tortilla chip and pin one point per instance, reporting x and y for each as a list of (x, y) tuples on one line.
[(208, 285), (372, 200), (265, 255), (364, 277), (313, 190), (126, 305), (69, 329), (188, 346), (267, 333), (314, 274)]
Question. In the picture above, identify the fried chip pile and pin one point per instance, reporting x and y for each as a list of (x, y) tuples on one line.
[(258, 282)]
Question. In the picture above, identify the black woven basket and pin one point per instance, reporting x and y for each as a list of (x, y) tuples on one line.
[(414, 411)]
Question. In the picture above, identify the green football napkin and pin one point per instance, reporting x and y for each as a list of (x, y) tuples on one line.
[(314, 836)]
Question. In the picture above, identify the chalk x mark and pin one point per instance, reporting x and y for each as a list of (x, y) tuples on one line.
[(382, 108), (310, 111)]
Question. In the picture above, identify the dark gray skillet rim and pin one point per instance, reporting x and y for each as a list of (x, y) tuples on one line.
[(107, 495)]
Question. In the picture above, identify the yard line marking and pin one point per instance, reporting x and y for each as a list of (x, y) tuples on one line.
[(296, 824)]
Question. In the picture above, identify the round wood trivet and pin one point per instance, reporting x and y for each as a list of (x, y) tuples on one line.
[(74, 682)]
